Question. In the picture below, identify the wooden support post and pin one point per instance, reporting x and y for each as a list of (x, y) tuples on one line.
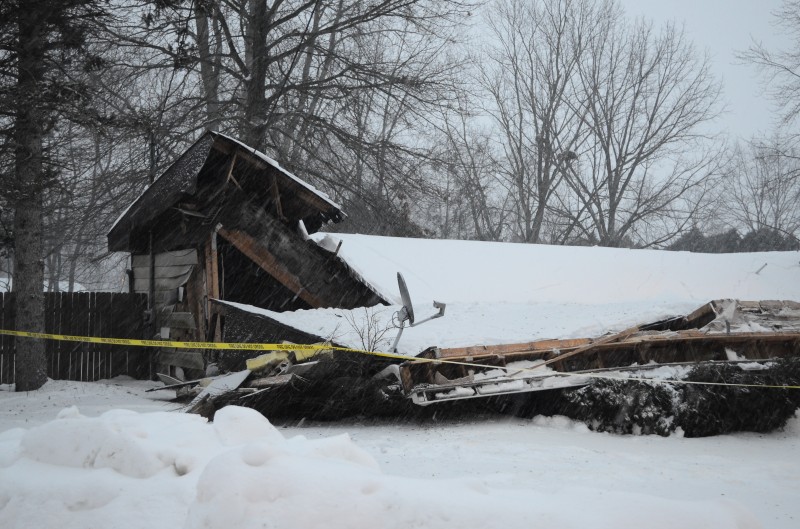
[(264, 259), (215, 289), (212, 286)]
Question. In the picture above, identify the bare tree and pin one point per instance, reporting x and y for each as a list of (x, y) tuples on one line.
[(533, 64), (322, 85), (649, 100), (781, 67), (470, 202), (762, 187)]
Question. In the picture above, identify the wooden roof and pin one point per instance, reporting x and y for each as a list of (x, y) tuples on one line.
[(196, 181)]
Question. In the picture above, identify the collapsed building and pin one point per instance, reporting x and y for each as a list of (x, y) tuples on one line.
[(225, 222), (227, 245)]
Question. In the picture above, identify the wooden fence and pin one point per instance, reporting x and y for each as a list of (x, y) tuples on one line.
[(104, 314)]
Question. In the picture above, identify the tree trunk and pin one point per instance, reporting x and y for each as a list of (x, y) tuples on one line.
[(209, 69), (31, 366), (255, 111)]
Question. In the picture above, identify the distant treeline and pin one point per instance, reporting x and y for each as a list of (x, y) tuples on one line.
[(761, 240)]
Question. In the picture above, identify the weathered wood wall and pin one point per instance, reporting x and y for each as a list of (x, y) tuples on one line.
[(103, 314), (172, 271)]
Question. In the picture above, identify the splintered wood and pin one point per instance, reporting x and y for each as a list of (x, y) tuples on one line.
[(713, 332)]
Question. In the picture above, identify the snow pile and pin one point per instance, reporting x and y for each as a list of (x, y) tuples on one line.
[(125, 469)]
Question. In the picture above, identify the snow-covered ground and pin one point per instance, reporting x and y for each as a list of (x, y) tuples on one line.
[(77, 455), (124, 458)]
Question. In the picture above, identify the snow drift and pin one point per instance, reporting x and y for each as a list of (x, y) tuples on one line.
[(125, 469)]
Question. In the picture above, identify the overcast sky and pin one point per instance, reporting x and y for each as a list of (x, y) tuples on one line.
[(723, 27)]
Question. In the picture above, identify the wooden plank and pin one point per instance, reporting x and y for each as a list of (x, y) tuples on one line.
[(66, 320), (212, 270), (131, 325), (542, 346), (207, 277), (267, 382), (195, 302), (680, 339), (126, 320), (173, 258), (80, 327), (118, 356), (91, 349), (215, 290), (101, 328), (701, 315), (263, 258), (3, 359), (229, 176), (61, 346), (613, 338)]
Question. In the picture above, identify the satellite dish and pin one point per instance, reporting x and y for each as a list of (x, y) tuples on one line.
[(406, 297), (406, 314)]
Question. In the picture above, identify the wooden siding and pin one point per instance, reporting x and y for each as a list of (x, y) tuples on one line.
[(172, 270)]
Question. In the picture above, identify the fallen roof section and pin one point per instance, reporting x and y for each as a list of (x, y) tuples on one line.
[(722, 330), (491, 272), (332, 384)]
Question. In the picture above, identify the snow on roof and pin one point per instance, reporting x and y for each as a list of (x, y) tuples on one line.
[(507, 293), (491, 272)]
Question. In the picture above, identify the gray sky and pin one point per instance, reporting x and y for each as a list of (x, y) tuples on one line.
[(723, 27)]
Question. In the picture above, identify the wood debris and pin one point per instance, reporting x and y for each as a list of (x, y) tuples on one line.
[(331, 384)]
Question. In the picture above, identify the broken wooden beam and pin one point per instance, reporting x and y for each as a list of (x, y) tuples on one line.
[(303, 264), (613, 338), (540, 346), (264, 259)]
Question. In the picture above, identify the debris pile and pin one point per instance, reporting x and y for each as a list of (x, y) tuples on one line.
[(322, 384), (703, 373)]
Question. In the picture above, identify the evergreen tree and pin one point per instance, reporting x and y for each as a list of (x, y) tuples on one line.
[(768, 240), (42, 45)]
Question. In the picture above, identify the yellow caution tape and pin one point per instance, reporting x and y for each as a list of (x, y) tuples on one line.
[(293, 346), (221, 345), (164, 343)]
